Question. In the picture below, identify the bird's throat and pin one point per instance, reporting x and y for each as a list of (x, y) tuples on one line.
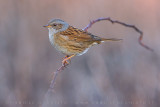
[(51, 35)]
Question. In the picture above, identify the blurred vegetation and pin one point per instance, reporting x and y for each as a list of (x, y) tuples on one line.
[(113, 74)]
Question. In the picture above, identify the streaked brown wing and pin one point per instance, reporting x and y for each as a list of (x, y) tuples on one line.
[(79, 35)]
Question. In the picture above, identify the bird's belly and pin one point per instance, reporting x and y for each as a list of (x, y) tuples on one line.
[(68, 47)]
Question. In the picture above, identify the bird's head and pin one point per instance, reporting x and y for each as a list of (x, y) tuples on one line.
[(57, 25)]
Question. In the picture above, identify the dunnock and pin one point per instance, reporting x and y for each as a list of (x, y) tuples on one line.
[(71, 41)]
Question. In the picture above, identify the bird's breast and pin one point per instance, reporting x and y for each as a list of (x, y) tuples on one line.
[(51, 38), (66, 45), (51, 35)]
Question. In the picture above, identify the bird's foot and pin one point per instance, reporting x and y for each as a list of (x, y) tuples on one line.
[(65, 60)]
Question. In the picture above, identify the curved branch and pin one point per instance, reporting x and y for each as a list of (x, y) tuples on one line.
[(55, 75), (124, 24)]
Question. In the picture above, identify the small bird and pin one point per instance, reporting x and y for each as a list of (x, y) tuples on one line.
[(71, 41)]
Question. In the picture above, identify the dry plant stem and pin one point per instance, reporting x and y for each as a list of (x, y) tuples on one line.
[(53, 81), (55, 75), (121, 23)]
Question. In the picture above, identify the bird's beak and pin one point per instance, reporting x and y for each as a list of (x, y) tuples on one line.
[(47, 26)]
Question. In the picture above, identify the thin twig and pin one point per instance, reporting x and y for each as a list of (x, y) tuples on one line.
[(55, 76), (53, 81), (52, 84), (121, 23)]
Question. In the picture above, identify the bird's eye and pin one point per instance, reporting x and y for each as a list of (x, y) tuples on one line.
[(54, 24)]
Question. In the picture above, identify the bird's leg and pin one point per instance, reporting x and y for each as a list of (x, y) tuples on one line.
[(64, 63), (65, 60)]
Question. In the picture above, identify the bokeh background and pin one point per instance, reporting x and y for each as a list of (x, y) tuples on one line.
[(113, 74)]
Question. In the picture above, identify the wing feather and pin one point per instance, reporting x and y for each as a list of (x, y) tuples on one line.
[(79, 35)]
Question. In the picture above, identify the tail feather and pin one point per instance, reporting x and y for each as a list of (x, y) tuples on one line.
[(104, 39), (110, 39)]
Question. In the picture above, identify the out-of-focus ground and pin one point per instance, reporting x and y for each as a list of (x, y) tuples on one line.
[(113, 74)]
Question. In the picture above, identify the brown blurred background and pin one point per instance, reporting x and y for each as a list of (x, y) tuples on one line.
[(114, 74)]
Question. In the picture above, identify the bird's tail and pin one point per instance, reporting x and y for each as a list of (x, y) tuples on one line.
[(110, 39), (101, 40)]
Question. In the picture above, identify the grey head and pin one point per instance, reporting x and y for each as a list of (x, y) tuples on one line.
[(57, 25)]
